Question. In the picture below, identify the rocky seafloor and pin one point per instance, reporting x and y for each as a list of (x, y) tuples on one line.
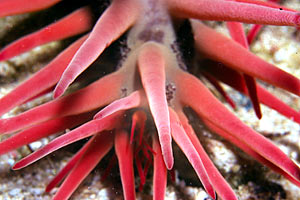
[(250, 180)]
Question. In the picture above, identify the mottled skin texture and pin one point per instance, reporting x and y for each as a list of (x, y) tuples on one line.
[(146, 95)]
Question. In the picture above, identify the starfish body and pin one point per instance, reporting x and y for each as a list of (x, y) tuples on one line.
[(148, 92)]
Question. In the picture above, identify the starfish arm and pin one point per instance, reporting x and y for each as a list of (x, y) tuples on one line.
[(42, 130), (209, 108), (253, 32), (238, 34), (275, 103), (222, 49), (257, 27), (252, 91), (97, 149), (77, 22), (270, 4), (222, 188), (224, 74), (139, 118), (124, 153), (219, 88), (251, 152), (235, 80), (134, 100), (98, 94), (189, 150), (112, 24), (140, 170), (69, 166), (14, 7), (151, 65), (222, 10), (160, 172), (84, 131), (40, 81)]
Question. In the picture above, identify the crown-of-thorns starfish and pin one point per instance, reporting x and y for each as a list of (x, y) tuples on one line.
[(150, 84)]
